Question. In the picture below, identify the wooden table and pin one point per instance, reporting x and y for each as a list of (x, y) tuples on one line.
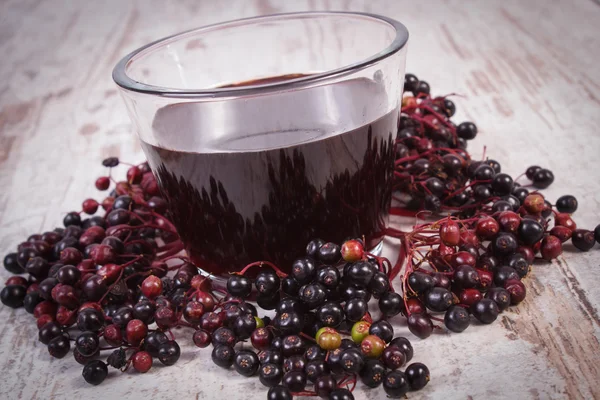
[(528, 73)]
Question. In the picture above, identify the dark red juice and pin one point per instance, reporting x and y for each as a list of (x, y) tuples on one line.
[(237, 198)]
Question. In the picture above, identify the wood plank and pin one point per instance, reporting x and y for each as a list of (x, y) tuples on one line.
[(526, 73)]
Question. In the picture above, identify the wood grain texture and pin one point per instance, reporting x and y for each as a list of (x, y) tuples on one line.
[(527, 73)]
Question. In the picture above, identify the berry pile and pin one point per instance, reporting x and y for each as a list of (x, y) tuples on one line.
[(114, 287), (472, 262), (314, 306)]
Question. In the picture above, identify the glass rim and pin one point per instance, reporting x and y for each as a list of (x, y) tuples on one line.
[(123, 80)]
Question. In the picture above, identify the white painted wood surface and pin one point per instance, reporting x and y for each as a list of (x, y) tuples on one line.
[(529, 74)]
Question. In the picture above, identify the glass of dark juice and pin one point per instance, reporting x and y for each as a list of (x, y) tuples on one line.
[(267, 132)]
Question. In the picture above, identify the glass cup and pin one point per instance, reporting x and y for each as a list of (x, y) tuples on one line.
[(265, 133)]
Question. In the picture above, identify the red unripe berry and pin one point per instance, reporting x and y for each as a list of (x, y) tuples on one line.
[(136, 331), (152, 287), (352, 250), (102, 183), (89, 206)]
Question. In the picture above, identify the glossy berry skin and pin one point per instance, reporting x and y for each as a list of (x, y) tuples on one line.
[(348, 292), (267, 282), (520, 193), (330, 314), (395, 384), (246, 363), (351, 361), (270, 374), (466, 130), (135, 332), (59, 346), (352, 250), (583, 239), (355, 309), (485, 311), (551, 247), (502, 184), (561, 232), (49, 331), (314, 353), (405, 346), (420, 282), (31, 300), (531, 171), (420, 325), (484, 173), (13, 296), (393, 357), (224, 336), (68, 275), (11, 264), (122, 317), (152, 287), (457, 319), (244, 325), (360, 274), (324, 385), (292, 345), (543, 178), (417, 375), (294, 380), (279, 393), (201, 338), (465, 277), (333, 361), (72, 218), (383, 330), (422, 88), (519, 263), (487, 228), (379, 285), (482, 192), (500, 296), (239, 286), (597, 233), (271, 356), (517, 290), (329, 253), (390, 304), (360, 330), (410, 83), (313, 295), (530, 231), (372, 373), (169, 352), (503, 274), (312, 249), (288, 322), (87, 343), (469, 297), (372, 346), (566, 204), (341, 394), (95, 372), (329, 277), (438, 299), (142, 361), (90, 320), (223, 355), (294, 363), (304, 270), (501, 205), (315, 369), (505, 244)]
